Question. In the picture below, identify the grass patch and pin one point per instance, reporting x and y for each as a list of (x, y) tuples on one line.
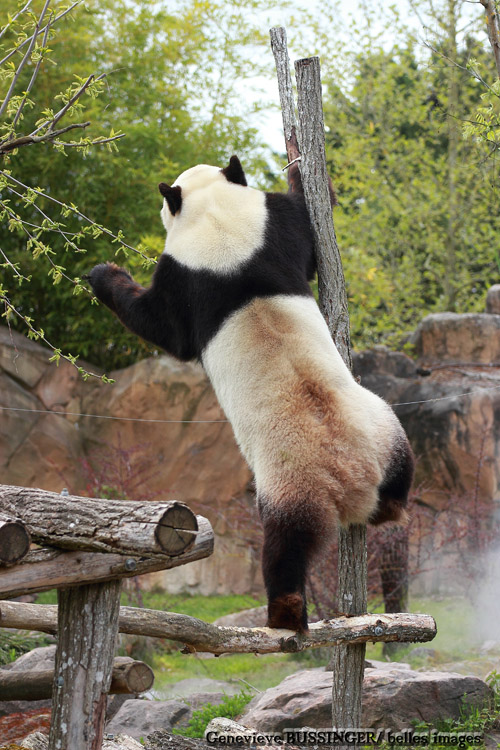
[(230, 708), (207, 608), (258, 670)]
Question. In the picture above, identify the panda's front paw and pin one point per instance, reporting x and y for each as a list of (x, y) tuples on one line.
[(103, 278)]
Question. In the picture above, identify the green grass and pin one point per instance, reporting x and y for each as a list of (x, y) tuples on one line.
[(231, 707), (207, 608)]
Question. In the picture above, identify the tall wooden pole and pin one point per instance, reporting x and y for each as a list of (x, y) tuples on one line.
[(347, 661)]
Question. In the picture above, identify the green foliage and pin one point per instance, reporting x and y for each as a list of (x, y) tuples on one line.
[(417, 218), (14, 643), (164, 78), (230, 707)]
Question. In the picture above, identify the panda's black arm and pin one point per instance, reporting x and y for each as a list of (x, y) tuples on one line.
[(142, 311)]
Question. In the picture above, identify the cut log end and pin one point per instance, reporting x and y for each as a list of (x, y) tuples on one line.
[(177, 529), (14, 542)]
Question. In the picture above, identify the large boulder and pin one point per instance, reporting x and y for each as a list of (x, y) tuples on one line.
[(137, 718), (458, 337), (393, 696)]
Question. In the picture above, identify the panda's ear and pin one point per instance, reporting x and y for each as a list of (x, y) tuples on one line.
[(234, 172), (173, 196)]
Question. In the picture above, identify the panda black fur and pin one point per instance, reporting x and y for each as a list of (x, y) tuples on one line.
[(231, 290)]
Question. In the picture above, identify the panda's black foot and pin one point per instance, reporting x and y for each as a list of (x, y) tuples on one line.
[(288, 611)]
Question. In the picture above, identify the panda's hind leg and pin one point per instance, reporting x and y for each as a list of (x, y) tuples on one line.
[(393, 492), (290, 540)]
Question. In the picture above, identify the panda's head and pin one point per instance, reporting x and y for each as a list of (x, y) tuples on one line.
[(199, 178), (213, 219)]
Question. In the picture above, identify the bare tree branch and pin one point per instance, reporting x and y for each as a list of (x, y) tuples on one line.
[(26, 140), (32, 80)]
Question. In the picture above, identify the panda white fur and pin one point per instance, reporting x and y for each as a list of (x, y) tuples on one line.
[(231, 290)]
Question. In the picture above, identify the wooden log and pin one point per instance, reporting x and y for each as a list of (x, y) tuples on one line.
[(87, 634), (313, 170), (285, 88), (347, 660), (45, 569), (128, 677), (204, 637), (127, 527), (14, 540)]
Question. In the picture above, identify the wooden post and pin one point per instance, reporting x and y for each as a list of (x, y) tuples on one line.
[(88, 629), (348, 661)]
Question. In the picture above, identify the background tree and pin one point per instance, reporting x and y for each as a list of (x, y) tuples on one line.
[(170, 86), (417, 215)]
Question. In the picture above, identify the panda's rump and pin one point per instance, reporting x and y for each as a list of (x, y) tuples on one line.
[(306, 428)]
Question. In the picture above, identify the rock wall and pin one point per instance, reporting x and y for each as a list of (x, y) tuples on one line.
[(167, 414)]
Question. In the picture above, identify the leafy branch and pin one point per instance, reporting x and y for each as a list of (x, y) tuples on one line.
[(24, 45)]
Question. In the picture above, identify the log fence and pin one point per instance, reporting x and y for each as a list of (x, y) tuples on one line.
[(88, 616)]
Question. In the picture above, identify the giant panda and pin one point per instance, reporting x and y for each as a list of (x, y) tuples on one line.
[(231, 290)]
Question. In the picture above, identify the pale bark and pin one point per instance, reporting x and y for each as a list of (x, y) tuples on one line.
[(128, 677), (127, 527), (197, 635), (331, 282), (45, 569), (280, 51)]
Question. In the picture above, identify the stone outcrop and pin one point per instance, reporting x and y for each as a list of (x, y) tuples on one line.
[(393, 696), (493, 300)]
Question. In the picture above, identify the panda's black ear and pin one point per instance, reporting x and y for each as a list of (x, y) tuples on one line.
[(234, 172), (173, 196)]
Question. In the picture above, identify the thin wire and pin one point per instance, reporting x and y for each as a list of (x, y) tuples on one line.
[(221, 421), (442, 398), (123, 419)]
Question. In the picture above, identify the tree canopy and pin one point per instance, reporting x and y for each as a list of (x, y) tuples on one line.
[(117, 96)]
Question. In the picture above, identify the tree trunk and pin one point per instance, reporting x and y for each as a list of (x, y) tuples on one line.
[(493, 25), (393, 568)]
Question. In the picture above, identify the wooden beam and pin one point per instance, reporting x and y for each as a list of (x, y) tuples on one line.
[(14, 540), (128, 677), (204, 637), (45, 569), (127, 527)]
